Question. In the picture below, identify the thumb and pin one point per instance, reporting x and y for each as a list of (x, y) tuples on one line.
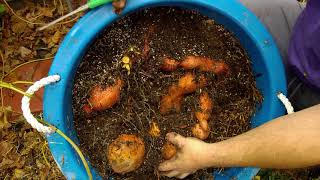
[(176, 139)]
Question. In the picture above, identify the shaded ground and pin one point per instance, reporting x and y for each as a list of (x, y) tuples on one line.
[(24, 153)]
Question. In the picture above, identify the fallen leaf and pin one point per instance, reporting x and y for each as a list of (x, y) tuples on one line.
[(18, 174), (5, 148), (24, 52), (56, 37), (30, 72), (5, 114), (6, 163), (19, 27), (47, 12)]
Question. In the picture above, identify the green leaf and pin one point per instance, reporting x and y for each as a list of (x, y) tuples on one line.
[(2, 8)]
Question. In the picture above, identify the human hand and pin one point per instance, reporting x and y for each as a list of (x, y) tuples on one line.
[(192, 154)]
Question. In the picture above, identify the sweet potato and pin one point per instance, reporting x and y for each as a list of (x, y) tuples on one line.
[(102, 99), (187, 84), (170, 101), (201, 130), (201, 116), (168, 151), (205, 102), (192, 62), (169, 64), (204, 64), (220, 68), (126, 153)]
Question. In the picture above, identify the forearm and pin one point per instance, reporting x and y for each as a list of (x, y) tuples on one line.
[(291, 141)]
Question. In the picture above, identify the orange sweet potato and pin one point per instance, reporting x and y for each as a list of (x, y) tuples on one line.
[(126, 153), (168, 151), (187, 84), (192, 62), (102, 99), (171, 101), (169, 64), (201, 130), (205, 64), (205, 102), (201, 116)]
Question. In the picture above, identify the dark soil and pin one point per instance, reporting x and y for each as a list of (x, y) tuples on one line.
[(170, 32)]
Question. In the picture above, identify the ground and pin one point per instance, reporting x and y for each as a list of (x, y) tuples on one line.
[(24, 153)]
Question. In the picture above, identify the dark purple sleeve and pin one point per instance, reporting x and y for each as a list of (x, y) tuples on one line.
[(304, 48)]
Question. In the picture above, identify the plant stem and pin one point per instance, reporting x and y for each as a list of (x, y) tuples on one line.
[(22, 82), (25, 63), (12, 87), (75, 147)]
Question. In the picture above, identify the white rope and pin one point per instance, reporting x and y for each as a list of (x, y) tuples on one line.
[(285, 101), (25, 103)]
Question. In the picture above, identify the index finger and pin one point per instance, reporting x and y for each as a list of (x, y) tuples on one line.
[(176, 139)]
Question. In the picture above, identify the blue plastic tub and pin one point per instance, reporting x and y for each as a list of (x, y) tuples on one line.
[(230, 13)]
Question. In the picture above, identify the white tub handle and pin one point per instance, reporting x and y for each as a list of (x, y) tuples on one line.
[(25, 104), (285, 101)]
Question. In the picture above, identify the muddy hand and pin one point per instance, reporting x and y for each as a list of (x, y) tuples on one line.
[(192, 155)]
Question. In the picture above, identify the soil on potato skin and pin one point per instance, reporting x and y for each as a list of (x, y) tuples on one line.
[(171, 32)]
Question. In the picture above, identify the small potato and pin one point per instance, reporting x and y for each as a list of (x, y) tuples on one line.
[(102, 99), (202, 116), (201, 130), (191, 62), (220, 68), (189, 84), (169, 102), (205, 102), (126, 153), (186, 84), (205, 64), (168, 151), (169, 64)]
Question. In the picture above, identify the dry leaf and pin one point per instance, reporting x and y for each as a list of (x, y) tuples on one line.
[(56, 37), (19, 27), (4, 116), (18, 174), (24, 52), (5, 148), (47, 12), (6, 163)]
